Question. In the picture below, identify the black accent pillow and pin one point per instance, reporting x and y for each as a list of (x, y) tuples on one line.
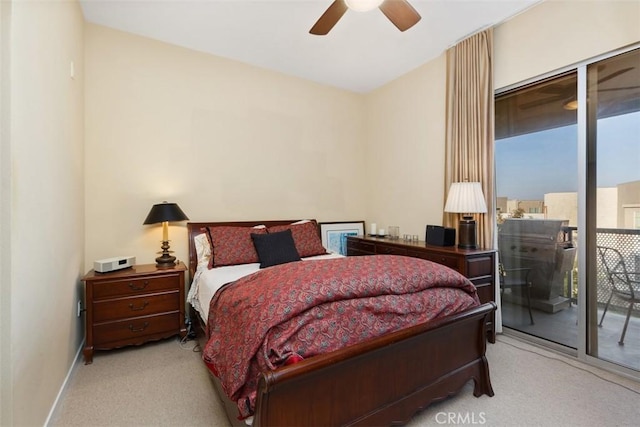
[(275, 248)]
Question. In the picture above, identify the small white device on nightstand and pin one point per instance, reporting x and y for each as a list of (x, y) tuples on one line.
[(111, 264)]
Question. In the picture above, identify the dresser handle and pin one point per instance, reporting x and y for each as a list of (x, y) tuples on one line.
[(138, 288), (142, 307), (132, 329)]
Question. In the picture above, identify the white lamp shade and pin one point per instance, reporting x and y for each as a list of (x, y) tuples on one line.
[(465, 197), (363, 5)]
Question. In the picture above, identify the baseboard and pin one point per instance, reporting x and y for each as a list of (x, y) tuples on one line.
[(63, 387)]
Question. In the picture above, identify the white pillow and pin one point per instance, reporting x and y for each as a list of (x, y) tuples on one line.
[(203, 250)]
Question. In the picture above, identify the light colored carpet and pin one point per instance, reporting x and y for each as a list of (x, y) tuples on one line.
[(166, 384)]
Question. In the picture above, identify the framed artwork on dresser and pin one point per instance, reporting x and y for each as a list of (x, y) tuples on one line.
[(334, 234)]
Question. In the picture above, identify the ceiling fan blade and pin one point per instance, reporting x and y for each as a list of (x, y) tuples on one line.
[(400, 13), (614, 74), (329, 18)]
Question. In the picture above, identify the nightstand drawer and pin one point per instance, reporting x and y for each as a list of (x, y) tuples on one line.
[(134, 329), (390, 250), (124, 308), (137, 286)]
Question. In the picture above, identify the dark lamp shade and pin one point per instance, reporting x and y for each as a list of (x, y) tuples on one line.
[(165, 212)]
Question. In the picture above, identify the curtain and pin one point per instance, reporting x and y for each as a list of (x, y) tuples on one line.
[(470, 130)]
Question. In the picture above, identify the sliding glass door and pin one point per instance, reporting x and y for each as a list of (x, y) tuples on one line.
[(537, 184), (613, 195), (568, 187)]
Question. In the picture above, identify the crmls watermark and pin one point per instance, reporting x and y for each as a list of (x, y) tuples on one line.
[(455, 418)]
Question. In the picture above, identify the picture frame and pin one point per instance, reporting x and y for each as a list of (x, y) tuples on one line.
[(334, 234)]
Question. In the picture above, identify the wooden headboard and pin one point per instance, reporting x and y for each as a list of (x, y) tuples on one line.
[(194, 229)]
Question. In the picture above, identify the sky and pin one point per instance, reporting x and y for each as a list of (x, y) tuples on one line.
[(528, 166)]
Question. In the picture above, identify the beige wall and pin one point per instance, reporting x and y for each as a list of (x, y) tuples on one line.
[(559, 33), (44, 195), (224, 140), (5, 219), (405, 150)]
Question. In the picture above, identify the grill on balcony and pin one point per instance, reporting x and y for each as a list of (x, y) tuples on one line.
[(541, 246)]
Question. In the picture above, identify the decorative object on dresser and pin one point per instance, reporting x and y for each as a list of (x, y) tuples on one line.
[(440, 236), (112, 264), (478, 265), (333, 234), (133, 306), (466, 198), (163, 213), (418, 365)]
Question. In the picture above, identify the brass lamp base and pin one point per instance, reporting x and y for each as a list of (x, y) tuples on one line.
[(467, 236), (166, 260)]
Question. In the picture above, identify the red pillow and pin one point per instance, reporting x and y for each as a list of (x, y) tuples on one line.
[(233, 245), (305, 236)]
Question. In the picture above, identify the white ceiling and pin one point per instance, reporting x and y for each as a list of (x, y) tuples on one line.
[(361, 53)]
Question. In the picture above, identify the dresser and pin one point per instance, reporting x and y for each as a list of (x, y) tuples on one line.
[(133, 306), (478, 265)]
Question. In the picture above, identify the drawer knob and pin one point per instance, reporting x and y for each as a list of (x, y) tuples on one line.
[(142, 307), (144, 326), (138, 288)]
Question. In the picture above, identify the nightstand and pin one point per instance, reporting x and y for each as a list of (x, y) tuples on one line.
[(132, 306)]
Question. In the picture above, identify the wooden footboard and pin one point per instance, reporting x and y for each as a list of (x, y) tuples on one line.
[(384, 381)]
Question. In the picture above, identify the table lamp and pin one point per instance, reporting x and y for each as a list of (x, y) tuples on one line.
[(165, 212), (466, 198)]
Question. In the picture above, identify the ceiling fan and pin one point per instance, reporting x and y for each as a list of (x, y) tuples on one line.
[(567, 92), (399, 12)]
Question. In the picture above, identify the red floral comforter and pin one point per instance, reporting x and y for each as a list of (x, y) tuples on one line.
[(301, 309)]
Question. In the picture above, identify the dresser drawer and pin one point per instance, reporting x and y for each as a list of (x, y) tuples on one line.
[(485, 292), (134, 286), (123, 308), (480, 266), (446, 260), (390, 250), (360, 248), (135, 329)]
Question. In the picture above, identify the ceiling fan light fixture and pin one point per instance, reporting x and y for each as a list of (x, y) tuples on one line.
[(363, 5)]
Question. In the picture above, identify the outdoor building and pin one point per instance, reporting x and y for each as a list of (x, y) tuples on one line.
[(617, 207), (629, 205)]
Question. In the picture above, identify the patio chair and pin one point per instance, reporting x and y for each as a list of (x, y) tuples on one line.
[(516, 278), (624, 284)]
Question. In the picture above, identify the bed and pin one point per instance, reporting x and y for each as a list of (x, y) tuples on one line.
[(384, 380)]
